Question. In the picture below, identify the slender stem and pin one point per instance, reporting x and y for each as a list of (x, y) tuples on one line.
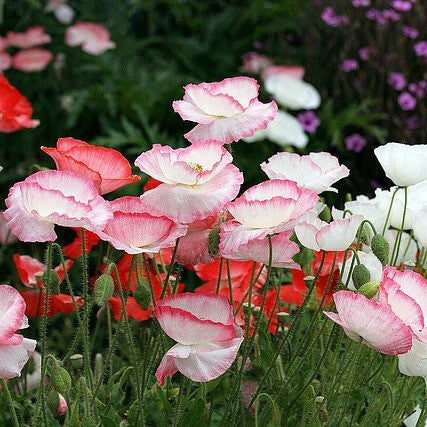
[(218, 282), (400, 232), (5, 388), (389, 210), (230, 283), (175, 249)]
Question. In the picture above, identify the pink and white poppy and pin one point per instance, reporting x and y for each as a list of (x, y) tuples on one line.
[(134, 230), (207, 337), (62, 11), (107, 168), (414, 362), (226, 111), (267, 208), (32, 60), (289, 90), (371, 321), (34, 36), (258, 249), (5, 61), (93, 38), (15, 350), (47, 198), (315, 171), (197, 181), (338, 235), (406, 293), (403, 164), (293, 71), (6, 235)]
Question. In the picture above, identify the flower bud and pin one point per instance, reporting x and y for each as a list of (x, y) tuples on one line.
[(381, 248), (53, 402), (51, 281), (76, 360), (369, 289), (282, 317), (60, 378), (213, 242), (325, 215), (365, 234), (103, 289), (143, 295), (360, 275)]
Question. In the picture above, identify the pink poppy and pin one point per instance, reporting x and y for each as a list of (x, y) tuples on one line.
[(32, 60), (293, 71), (267, 208), (197, 181), (134, 230), (93, 38), (15, 109), (6, 235), (5, 61), (47, 198), (15, 350), (406, 293), (107, 168), (372, 321), (207, 337), (257, 249), (315, 171), (226, 111), (338, 235), (34, 36)]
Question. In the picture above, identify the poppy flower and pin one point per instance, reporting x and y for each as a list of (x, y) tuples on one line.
[(226, 111), (207, 337), (93, 38), (107, 168), (15, 109), (34, 36), (32, 60), (5, 61), (74, 249)]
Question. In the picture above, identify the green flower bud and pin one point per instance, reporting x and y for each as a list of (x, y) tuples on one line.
[(53, 402), (360, 276), (103, 289), (76, 360), (51, 281), (325, 215), (60, 378), (143, 295), (213, 241), (369, 289), (381, 248), (365, 234)]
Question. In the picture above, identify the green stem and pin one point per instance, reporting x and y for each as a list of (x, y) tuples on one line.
[(389, 210), (5, 388), (398, 241)]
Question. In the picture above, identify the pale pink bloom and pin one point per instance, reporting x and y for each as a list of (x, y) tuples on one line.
[(93, 38), (3, 43), (34, 36), (267, 208), (193, 247), (414, 362), (32, 60), (254, 63), (6, 235), (197, 181), (226, 111), (5, 61), (51, 197), (372, 321), (62, 11), (293, 71), (134, 230), (403, 164), (338, 235), (207, 337), (258, 249), (63, 406), (14, 349), (315, 171), (406, 293)]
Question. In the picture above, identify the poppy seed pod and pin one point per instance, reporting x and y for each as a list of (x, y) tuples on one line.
[(103, 289), (142, 296), (360, 275), (381, 248)]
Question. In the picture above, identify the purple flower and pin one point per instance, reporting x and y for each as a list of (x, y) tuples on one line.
[(420, 49), (309, 121), (406, 101), (332, 19), (361, 3), (391, 14), (414, 122), (401, 5), (396, 80), (365, 53), (376, 15), (410, 32), (349, 65), (417, 89), (355, 142)]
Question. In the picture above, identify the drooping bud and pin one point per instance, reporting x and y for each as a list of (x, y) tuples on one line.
[(369, 289), (360, 275), (76, 360), (51, 281), (103, 289), (213, 242), (365, 233), (53, 402), (60, 378), (143, 295), (381, 248)]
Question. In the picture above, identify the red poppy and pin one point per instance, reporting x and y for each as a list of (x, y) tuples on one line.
[(74, 249), (15, 109)]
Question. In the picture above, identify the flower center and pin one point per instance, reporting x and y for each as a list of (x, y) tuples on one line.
[(196, 166)]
